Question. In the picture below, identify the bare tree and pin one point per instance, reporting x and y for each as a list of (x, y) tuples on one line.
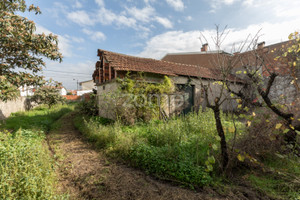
[(223, 78), (262, 67)]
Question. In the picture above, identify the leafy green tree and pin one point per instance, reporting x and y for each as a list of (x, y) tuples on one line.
[(48, 94), (21, 49)]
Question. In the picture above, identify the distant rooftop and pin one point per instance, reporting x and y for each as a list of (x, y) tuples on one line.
[(197, 52)]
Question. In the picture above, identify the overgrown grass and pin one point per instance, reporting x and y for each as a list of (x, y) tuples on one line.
[(283, 179), (179, 149), (27, 170), (175, 150), (39, 118)]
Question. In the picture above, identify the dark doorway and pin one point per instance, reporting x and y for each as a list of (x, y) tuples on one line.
[(188, 95)]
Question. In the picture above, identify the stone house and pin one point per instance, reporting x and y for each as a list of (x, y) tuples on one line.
[(265, 60), (262, 58), (188, 79)]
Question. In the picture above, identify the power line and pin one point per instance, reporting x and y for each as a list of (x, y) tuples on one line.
[(66, 75), (65, 72)]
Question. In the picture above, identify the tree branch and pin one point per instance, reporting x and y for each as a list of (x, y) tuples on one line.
[(270, 83)]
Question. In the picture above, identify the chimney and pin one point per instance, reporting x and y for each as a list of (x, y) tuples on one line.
[(261, 45), (204, 47)]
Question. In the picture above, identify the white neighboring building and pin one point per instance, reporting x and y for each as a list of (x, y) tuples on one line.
[(26, 91), (87, 85), (82, 92), (62, 91)]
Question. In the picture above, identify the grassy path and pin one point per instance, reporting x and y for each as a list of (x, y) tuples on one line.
[(86, 174)]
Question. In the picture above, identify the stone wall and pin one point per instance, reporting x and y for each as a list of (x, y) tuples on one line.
[(6, 108), (173, 103), (214, 90), (282, 91)]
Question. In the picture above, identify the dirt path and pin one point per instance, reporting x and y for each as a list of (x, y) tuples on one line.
[(85, 173)]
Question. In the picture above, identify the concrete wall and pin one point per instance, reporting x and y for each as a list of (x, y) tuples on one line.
[(6, 108), (106, 100), (88, 85)]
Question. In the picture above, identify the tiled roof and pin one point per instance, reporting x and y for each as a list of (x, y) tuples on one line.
[(265, 55), (205, 59), (131, 63), (268, 52)]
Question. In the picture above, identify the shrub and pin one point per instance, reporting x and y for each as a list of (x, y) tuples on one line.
[(89, 106)]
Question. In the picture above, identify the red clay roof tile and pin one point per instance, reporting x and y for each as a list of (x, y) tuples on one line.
[(131, 63)]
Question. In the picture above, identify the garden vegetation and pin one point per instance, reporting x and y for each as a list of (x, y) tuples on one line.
[(27, 169)]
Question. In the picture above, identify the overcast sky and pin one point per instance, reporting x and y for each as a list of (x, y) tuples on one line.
[(152, 28)]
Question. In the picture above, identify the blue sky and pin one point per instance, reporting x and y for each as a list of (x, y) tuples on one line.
[(152, 28)]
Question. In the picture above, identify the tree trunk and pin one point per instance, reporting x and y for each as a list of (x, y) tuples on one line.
[(222, 136)]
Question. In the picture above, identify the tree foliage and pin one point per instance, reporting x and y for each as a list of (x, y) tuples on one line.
[(292, 56), (136, 99), (21, 49), (48, 94)]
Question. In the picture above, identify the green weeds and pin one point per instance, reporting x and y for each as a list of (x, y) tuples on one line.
[(185, 150), (174, 150), (27, 170), (39, 118), (282, 181)]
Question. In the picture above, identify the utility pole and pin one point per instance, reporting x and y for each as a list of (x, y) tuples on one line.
[(77, 83)]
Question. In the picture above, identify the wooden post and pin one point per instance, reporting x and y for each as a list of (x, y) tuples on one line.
[(109, 73), (103, 72)]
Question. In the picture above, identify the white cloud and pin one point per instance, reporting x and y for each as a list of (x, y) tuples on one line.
[(77, 4), (143, 15), (164, 21), (126, 21), (178, 5), (138, 19), (229, 2), (95, 35), (74, 39), (278, 7), (149, 1), (287, 8), (56, 11), (64, 44), (134, 18), (100, 3), (172, 41), (217, 4), (248, 2), (189, 18), (107, 17), (179, 41), (81, 17)]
